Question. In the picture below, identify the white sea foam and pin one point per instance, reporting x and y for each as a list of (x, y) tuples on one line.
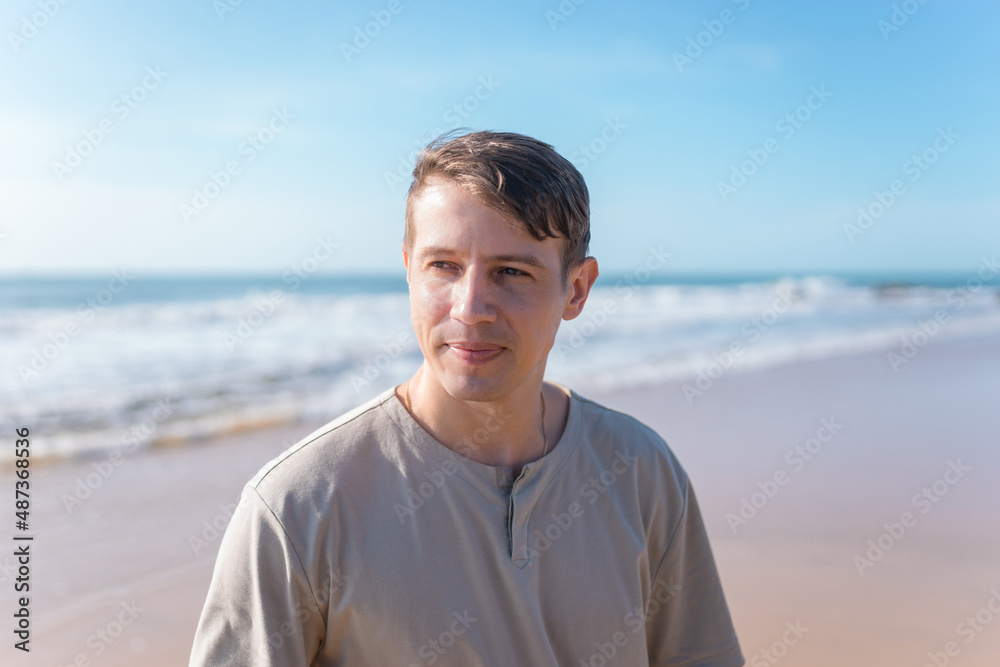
[(228, 363)]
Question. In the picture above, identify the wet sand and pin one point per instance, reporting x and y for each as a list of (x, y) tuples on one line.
[(120, 579), (793, 560)]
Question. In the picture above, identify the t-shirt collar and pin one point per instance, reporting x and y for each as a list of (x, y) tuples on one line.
[(482, 476)]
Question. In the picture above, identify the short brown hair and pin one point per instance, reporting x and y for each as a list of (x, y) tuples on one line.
[(522, 178)]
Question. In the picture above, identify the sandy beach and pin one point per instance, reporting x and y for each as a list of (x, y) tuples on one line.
[(853, 513)]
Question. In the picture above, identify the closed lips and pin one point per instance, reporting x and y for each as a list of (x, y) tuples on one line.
[(474, 347)]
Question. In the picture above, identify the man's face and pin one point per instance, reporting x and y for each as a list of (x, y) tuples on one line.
[(486, 298)]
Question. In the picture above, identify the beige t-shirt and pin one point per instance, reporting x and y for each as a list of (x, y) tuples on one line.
[(371, 544)]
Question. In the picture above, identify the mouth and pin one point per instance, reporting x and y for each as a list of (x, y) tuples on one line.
[(474, 353)]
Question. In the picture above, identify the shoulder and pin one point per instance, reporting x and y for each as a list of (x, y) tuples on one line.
[(612, 431), (604, 422), (323, 456)]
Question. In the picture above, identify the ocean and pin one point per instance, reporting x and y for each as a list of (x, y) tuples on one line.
[(119, 362)]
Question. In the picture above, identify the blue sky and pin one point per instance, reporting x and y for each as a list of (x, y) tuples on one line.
[(667, 120)]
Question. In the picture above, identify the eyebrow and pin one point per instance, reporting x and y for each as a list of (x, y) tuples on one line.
[(530, 260)]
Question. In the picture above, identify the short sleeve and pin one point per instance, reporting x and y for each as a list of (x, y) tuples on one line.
[(261, 609), (688, 621)]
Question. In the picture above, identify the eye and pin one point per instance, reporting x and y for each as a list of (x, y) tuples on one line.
[(511, 271)]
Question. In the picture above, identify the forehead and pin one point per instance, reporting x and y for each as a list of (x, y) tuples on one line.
[(440, 195), (444, 211)]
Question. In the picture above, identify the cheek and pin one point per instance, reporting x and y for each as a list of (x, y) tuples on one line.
[(427, 307), (536, 321), (524, 304)]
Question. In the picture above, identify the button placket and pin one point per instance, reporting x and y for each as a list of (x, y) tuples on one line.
[(517, 538)]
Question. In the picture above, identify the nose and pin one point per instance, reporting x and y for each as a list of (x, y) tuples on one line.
[(472, 298)]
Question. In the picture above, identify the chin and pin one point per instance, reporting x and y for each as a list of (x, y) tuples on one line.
[(466, 387)]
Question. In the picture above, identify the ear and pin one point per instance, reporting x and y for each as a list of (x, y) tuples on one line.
[(406, 264), (581, 279)]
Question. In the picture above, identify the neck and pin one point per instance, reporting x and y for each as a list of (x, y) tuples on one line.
[(504, 432)]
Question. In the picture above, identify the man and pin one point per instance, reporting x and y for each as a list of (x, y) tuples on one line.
[(475, 515)]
